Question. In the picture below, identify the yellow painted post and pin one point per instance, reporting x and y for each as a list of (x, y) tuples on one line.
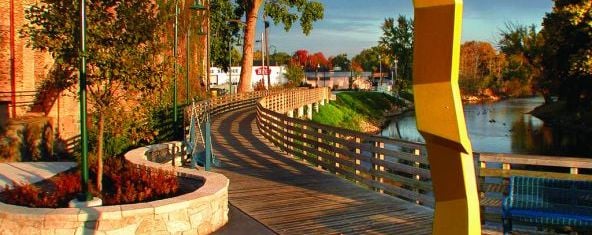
[(440, 116)]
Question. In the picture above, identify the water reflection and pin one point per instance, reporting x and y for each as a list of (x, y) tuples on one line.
[(504, 127)]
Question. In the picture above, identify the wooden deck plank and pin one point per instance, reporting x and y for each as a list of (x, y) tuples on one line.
[(291, 197)]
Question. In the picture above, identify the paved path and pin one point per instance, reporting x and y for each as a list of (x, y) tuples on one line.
[(30, 172), (290, 197)]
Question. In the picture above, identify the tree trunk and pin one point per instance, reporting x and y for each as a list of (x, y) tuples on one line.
[(100, 152), (244, 84)]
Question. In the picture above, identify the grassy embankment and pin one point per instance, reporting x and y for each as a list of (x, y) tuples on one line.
[(360, 111), (557, 114)]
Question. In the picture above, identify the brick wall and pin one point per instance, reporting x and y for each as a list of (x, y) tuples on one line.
[(31, 69)]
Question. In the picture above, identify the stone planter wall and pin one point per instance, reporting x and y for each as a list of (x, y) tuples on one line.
[(200, 212)]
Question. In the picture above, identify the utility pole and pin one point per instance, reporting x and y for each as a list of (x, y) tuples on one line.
[(263, 70), (176, 41), (267, 49)]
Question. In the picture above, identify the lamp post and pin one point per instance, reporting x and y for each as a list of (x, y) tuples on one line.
[(197, 6), (317, 74), (396, 71), (176, 41), (380, 68), (324, 76), (85, 195)]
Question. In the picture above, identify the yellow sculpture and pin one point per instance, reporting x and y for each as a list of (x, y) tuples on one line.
[(440, 116)]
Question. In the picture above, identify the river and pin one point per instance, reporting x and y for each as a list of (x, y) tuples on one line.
[(504, 127)]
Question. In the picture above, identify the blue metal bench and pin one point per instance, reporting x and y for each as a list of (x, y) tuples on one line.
[(550, 202)]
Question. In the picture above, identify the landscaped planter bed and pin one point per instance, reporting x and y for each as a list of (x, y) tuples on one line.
[(198, 212)]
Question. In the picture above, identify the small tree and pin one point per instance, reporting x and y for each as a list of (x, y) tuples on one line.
[(295, 74), (123, 48)]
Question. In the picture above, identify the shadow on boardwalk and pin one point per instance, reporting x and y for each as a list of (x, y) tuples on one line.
[(290, 197)]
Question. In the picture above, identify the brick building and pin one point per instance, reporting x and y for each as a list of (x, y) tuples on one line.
[(30, 69)]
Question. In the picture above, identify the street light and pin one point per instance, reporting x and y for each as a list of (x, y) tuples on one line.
[(317, 74), (84, 195), (380, 66), (396, 71)]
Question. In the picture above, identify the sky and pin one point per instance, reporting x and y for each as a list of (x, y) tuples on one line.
[(349, 26)]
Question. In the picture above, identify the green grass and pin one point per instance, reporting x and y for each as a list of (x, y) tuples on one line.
[(352, 108)]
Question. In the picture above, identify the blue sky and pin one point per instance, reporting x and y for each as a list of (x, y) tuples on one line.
[(350, 26)]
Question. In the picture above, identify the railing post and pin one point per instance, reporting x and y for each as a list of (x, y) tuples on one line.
[(300, 111), (309, 111), (357, 162), (573, 170), (417, 154), (304, 136), (319, 140), (377, 167), (337, 146)]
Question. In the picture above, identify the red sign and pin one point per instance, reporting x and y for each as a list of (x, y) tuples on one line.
[(263, 71)]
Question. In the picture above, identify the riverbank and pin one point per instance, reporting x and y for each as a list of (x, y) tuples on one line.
[(360, 111), (556, 114)]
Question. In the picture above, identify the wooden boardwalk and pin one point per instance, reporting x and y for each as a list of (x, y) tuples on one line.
[(290, 197)]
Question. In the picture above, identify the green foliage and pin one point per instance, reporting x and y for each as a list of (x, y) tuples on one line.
[(286, 12), (522, 47), (397, 39), (567, 52), (221, 11), (368, 59), (352, 109), (295, 74), (280, 58), (341, 61)]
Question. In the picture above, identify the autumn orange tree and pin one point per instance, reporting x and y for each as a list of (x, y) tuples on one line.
[(480, 67), (284, 12)]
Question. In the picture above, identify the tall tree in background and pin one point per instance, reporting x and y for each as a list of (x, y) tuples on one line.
[(522, 46), (123, 48), (397, 40), (567, 52), (480, 67), (285, 12), (368, 59), (340, 61), (221, 11)]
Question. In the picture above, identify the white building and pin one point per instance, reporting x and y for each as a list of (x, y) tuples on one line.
[(219, 78)]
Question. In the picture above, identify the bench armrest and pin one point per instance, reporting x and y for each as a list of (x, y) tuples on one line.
[(506, 206)]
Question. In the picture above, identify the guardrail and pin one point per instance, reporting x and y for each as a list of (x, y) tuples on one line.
[(395, 167)]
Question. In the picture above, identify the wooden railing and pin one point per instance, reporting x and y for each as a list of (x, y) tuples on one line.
[(395, 167)]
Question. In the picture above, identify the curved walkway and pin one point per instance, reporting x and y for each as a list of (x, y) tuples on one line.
[(290, 197)]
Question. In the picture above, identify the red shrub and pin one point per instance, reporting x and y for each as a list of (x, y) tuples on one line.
[(123, 183)]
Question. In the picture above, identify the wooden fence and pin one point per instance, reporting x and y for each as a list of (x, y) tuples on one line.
[(395, 167)]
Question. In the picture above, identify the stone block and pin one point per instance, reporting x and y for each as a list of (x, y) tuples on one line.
[(129, 229), (138, 209), (191, 232), (178, 226), (53, 223), (180, 215), (86, 231), (196, 220), (100, 213), (169, 205), (65, 231), (145, 226), (63, 214), (108, 225)]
